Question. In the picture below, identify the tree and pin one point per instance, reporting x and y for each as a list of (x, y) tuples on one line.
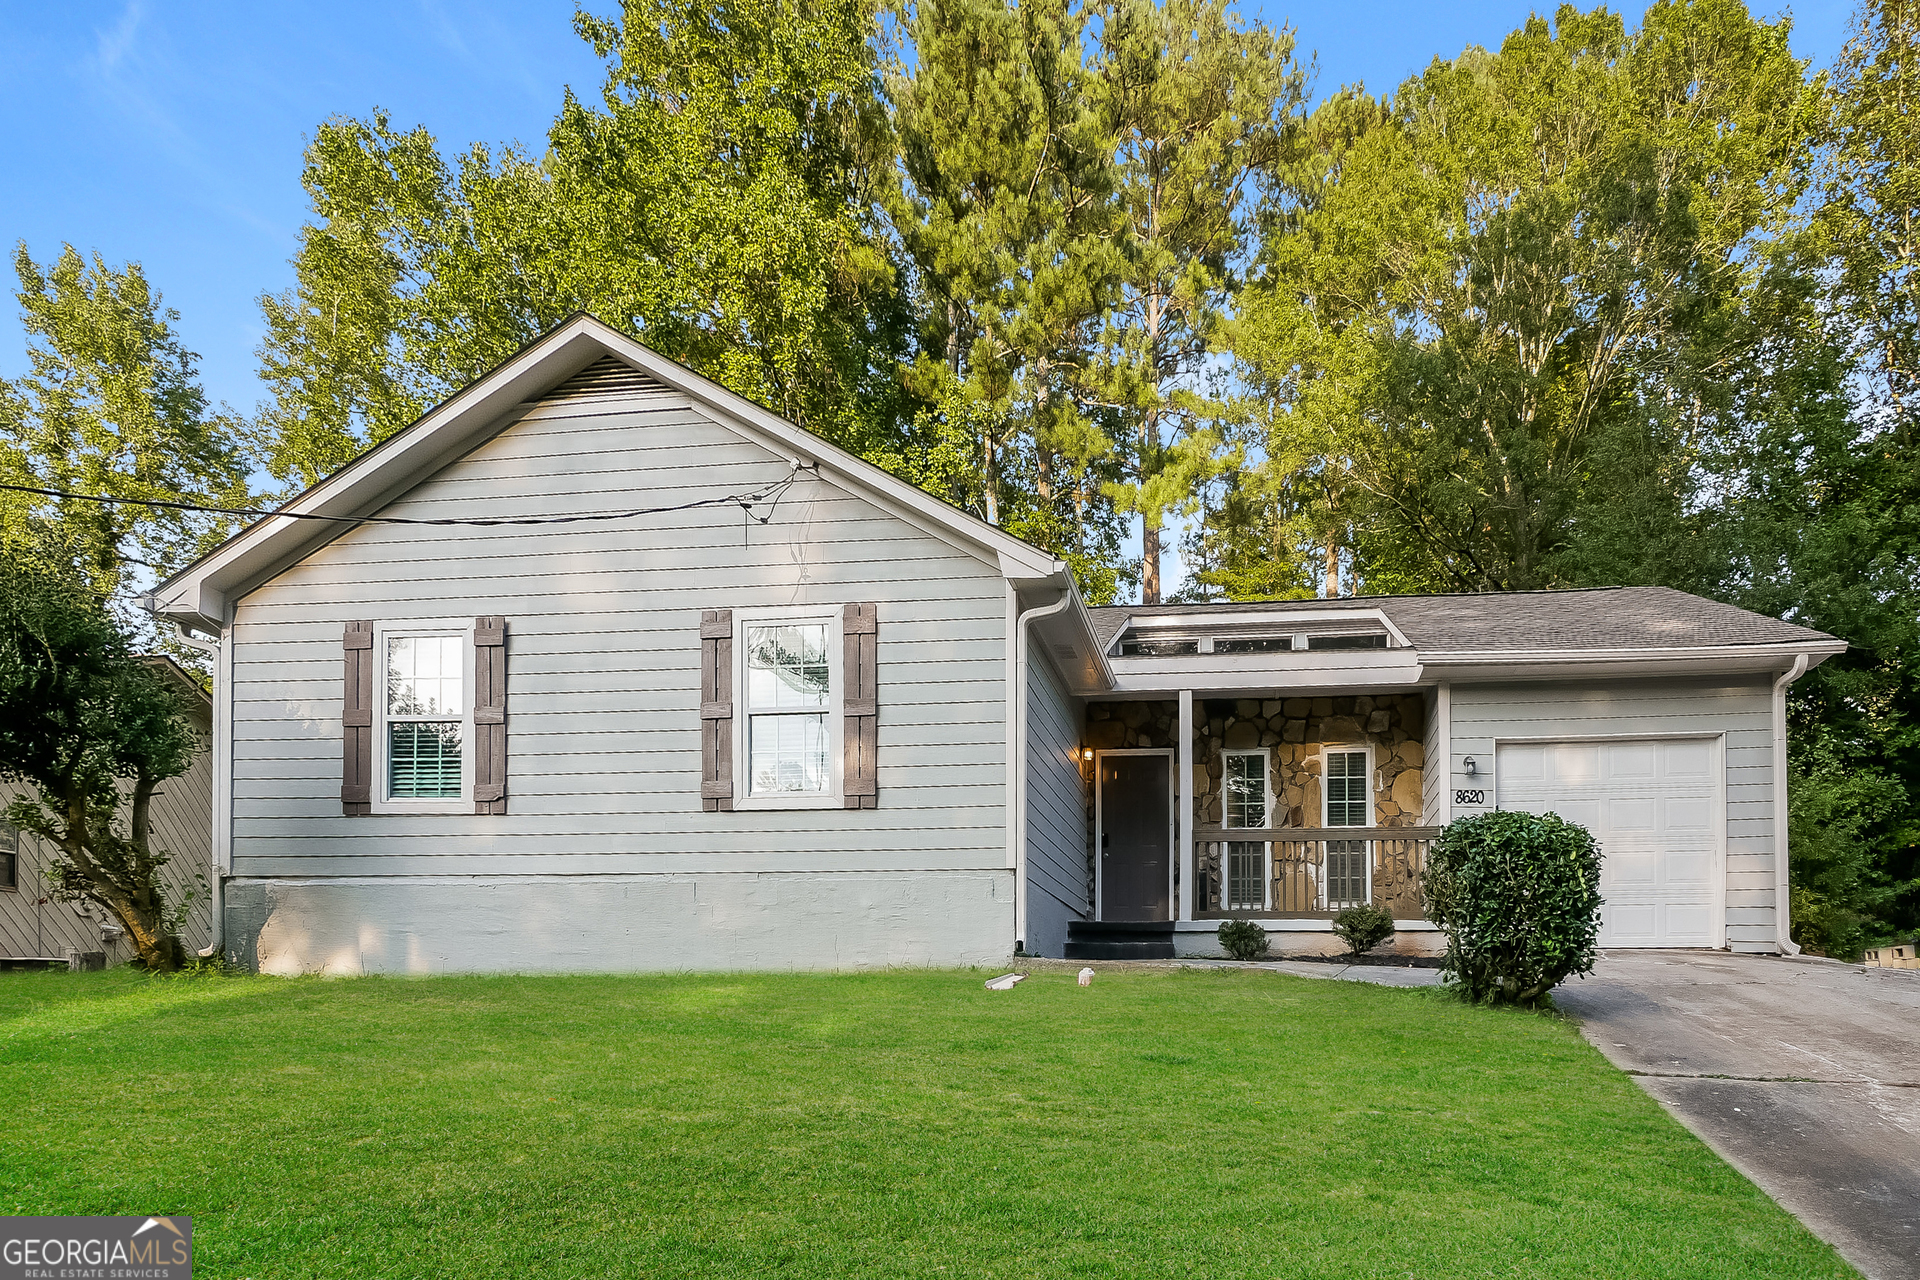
[(1004, 210), (1871, 190), (1511, 309), (721, 202), (110, 406), (95, 732), (1193, 105)]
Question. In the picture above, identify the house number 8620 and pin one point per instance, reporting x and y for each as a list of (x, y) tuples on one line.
[(1470, 797)]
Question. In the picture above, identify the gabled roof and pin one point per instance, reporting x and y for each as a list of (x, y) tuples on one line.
[(200, 594), (1601, 619)]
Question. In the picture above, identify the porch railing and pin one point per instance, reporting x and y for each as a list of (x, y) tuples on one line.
[(1308, 872)]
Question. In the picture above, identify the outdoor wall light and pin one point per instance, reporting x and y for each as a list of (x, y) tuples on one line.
[(1086, 753), (1471, 768)]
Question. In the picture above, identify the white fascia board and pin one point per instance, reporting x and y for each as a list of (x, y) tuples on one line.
[(201, 593), (1559, 663), (1326, 671)]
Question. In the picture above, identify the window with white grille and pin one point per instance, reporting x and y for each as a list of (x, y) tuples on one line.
[(1348, 804), (424, 714)]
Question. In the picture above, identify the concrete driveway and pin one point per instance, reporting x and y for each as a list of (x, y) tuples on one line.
[(1803, 1074)]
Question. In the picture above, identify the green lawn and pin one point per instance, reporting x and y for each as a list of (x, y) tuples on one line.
[(1160, 1123)]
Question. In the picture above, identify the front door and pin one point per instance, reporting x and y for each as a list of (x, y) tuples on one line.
[(1136, 851)]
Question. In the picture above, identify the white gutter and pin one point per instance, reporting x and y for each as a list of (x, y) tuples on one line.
[(1496, 657), (1782, 916), (1019, 699)]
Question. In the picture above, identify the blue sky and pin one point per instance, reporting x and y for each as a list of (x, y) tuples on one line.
[(171, 134)]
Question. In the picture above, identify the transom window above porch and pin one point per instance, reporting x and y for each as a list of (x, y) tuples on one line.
[(1148, 645)]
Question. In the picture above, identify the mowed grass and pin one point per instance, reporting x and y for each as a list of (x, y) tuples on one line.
[(1158, 1123)]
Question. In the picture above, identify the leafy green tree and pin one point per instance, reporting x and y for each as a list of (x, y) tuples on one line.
[(1193, 103), (1871, 190), (721, 202), (1004, 209), (110, 405), (95, 732), (1510, 307)]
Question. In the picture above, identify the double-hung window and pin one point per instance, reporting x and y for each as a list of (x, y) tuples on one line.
[(424, 714), (1348, 804), (9, 856), (790, 726), (1244, 783)]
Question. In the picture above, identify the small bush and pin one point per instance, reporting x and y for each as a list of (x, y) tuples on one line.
[(1243, 939), (1519, 897), (1363, 928)]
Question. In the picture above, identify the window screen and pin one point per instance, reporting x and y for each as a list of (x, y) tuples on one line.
[(789, 697), (425, 715), (1347, 802)]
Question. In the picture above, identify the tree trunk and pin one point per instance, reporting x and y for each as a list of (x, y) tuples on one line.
[(1149, 564), (1332, 588)]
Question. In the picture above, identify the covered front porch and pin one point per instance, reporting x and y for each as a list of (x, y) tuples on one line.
[(1282, 810)]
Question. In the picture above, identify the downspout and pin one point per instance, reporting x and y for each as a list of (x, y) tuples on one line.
[(1021, 633), (1782, 916)]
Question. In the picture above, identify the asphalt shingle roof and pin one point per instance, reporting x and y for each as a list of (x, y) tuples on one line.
[(1600, 618)]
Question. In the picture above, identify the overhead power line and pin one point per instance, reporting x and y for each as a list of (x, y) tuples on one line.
[(745, 501)]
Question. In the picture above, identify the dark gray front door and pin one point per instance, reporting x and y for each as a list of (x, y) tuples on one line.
[(1134, 839)]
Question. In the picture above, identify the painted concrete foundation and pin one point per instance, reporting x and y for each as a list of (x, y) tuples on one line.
[(582, 924)]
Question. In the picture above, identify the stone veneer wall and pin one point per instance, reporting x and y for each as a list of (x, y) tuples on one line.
[(1294, 731)]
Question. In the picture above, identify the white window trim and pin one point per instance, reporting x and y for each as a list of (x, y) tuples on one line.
[(382, 632), (834, 797), (1326, 792), (1326, 798), (1266, 774), (1266, 847)]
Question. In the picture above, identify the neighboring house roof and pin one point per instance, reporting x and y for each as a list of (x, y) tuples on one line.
[(199, 595), (1601, 619), (197, 696)]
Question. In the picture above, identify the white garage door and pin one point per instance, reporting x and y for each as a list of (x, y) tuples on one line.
[(1651, 806)]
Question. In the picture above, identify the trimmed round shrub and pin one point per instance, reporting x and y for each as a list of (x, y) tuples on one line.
[(1242, 939), (1363, 927), (1519, 897)]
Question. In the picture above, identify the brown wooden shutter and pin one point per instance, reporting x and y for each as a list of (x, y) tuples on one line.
[(860, 632), (356, 721), (716, 710), (490, 715)]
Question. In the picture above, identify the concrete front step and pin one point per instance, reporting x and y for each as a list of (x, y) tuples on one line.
[(1119, 940), (1120, 950)]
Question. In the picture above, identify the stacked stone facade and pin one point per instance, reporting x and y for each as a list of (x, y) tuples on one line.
[(1295, 733)]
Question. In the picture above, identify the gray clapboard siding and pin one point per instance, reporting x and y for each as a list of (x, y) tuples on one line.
[(1741, 710), (1056, 811), (181, 816), (533, 868), (603, 729)]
